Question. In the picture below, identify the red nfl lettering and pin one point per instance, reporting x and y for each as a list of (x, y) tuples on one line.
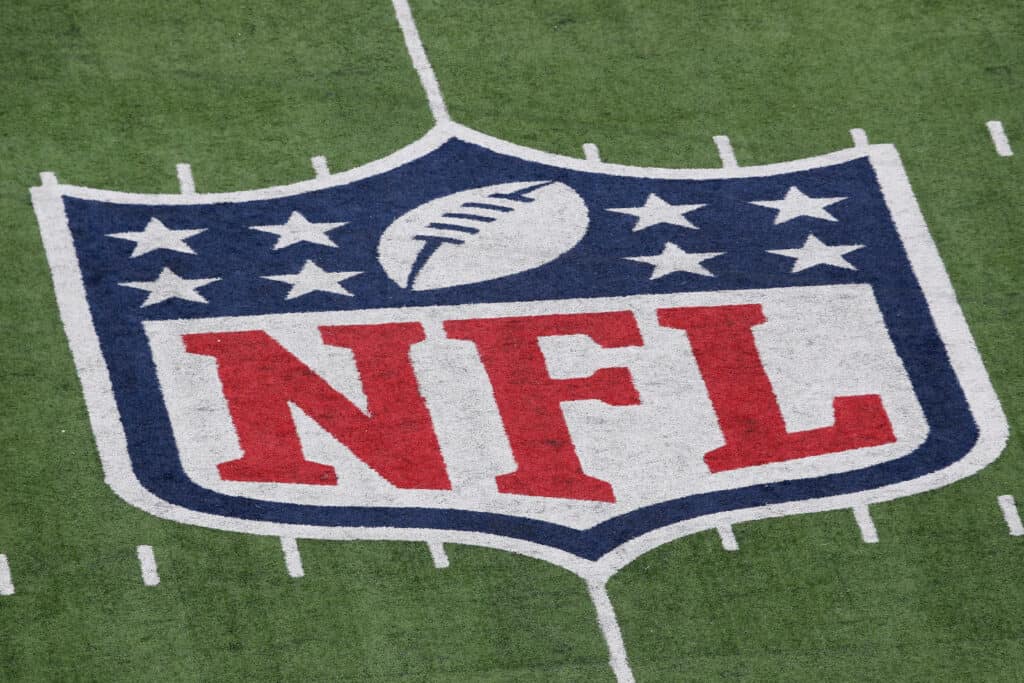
[(529, 400), (397, 439), (748, 412), (260, 378)]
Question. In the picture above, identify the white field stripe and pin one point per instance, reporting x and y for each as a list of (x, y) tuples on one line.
[(866, 524), (610, 629), (999, 139), (1011, 515), (185, 180), (860, 138), (728, 537), (420, 62), (48, 178), (438, 555), (725, 152), (292, 559), (320, 167), (591, 152), (6, 584), (147, 562)]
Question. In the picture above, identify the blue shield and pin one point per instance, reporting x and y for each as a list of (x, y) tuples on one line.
[(458, 228)]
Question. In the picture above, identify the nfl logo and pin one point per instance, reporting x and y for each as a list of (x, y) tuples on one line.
[(474, 342)]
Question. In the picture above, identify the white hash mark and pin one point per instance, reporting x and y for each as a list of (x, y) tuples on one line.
[(999, 139), (6, 584), (186, 182), (1011, 515), (728, 537), (147, 562), (725, 151), (868, 532), (438, 554), (292, 558)]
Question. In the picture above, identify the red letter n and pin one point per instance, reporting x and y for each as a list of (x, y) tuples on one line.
[(529, 400), (743, 398), (260, 378)]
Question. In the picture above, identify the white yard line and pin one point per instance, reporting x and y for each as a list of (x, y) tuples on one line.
[(147, 562), (292, 558), (6, 584), (320, 166), (725, 152), (728, 538), (610, 629), (420, 62), (860, 138), (868, 532), (185, 180), (999, 139), (1011, 515), (438, 554), (591, 152)]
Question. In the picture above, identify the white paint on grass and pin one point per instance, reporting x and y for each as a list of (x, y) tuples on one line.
[(728, 537), (609, 623), (866, 524), (438, 555), (725, 152), (320, 166), (48, 179), (185, 180), (292, 559), (420, 62), (999, 139), (49, 202), (591, 152), (860, 138), (1011, 515), (6, 584), (147, 562)]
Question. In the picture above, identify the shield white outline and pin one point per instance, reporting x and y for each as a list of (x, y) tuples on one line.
[(924, 258)]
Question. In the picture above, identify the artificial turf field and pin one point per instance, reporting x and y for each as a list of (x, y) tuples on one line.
[(112, 95)]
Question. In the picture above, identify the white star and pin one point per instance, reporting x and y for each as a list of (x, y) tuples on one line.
[(672, 259), (155, 236), (168, 285), (298, 229), (313, 278), (796, 204), (656, 211), (817, 253)]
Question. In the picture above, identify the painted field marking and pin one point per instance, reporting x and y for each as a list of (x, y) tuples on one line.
[(1011, 515), (609, 623), (591, 152), (438, 554), (147, 562), (320, 166), (6, 584), (860, 138), (185, 180), (728, 537), (999, 139), (292, 558), (414, 45), (725, 151), (868, 532)]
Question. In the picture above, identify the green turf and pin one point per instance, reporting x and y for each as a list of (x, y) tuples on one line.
[(113, 94)]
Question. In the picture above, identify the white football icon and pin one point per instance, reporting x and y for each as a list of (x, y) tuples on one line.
[(482, 234)]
